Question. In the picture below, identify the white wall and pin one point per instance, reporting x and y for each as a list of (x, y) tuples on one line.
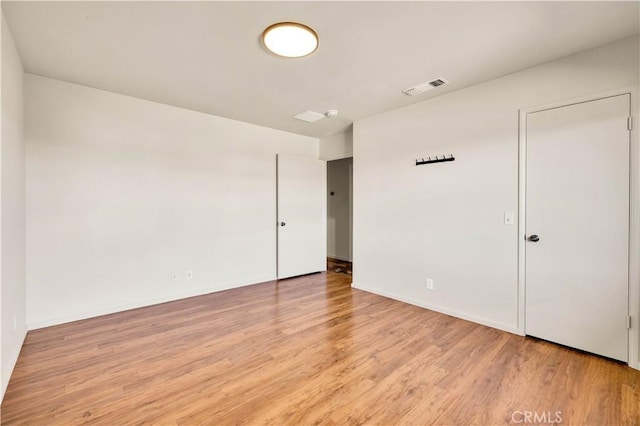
[(445, 221), (122, 192), (338, 208), (339, 145), (12, 211)]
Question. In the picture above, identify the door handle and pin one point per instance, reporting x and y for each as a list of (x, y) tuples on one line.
[(282, 223), (533, 238)]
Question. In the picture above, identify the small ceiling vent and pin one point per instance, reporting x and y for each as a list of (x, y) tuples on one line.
[(309, 116), (438, 82), (423, 87), (412, 91)]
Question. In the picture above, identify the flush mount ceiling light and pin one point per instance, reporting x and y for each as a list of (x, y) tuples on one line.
[(290, 39)]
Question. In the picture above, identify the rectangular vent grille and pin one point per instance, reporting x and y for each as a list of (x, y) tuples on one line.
[(412, 91), (437, 82), (423, 87)]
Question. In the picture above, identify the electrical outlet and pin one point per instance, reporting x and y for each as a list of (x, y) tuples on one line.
[(189, 275), (429, 284), (173, 276)]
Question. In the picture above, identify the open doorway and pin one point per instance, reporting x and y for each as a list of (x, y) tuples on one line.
[(340, 215)]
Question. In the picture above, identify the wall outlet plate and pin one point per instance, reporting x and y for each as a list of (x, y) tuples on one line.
[(429, 284), (509, 218), (189, 275)]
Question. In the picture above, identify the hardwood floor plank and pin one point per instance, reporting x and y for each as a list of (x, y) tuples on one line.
[(306, 350)]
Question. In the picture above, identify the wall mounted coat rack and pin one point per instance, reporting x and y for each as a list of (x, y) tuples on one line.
[(435, 160)]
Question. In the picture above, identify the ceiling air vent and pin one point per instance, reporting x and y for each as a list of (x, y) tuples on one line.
[(423, 87), (412, 91), (309, 116), (438, 82)]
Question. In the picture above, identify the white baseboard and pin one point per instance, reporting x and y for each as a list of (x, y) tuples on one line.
[(128, 306), (440, 309)]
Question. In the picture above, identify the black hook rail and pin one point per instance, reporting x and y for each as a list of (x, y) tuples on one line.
[(435, 160)]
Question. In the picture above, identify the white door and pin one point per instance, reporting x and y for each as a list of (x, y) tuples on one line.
[(302, 216), (577, 208)]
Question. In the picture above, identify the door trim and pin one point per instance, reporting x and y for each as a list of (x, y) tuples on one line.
[(634, 211)]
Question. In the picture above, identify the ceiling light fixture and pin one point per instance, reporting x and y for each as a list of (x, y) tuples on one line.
[(290, 39)]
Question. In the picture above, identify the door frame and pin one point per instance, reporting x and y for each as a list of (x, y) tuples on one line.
[(344, 156), (634, 211)]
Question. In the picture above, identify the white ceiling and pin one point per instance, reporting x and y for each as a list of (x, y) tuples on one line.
[(207, 56)]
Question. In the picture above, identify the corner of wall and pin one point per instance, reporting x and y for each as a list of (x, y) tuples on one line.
[(12, 208), (3, 386)]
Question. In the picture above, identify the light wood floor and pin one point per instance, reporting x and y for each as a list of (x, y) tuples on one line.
[(302, 351)]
